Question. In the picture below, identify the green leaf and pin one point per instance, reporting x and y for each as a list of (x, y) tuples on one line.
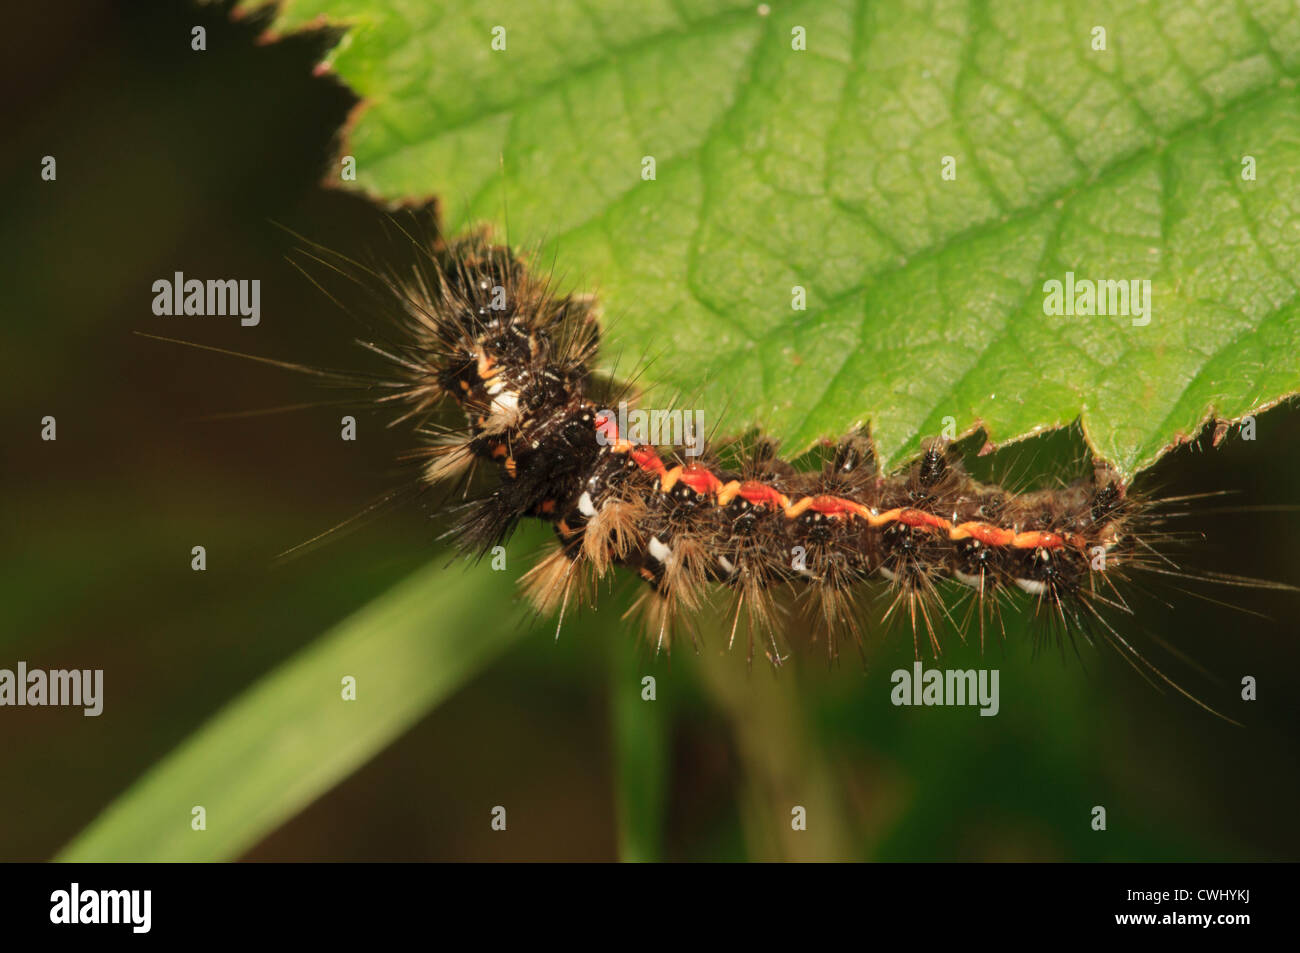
[(292, 736), (821, 168)]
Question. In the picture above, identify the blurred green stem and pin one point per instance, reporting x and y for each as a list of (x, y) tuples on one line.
[(640, 739), (784, 764)]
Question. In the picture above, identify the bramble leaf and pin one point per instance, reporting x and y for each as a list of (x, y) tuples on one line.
[(1114, 142)]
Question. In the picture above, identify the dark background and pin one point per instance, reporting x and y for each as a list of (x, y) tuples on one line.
[(170, 159)]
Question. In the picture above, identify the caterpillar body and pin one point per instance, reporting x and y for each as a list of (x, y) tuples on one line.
[(485, 334), (477, 329)]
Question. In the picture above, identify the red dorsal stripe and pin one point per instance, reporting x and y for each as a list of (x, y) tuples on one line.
[(647, 459), (705, 482), (699, 479), (760, 494), (910, 517), (832, 505)]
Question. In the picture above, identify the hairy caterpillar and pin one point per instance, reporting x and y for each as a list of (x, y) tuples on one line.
[(480, 332)]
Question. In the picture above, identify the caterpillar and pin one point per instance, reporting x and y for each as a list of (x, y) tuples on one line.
[(480, 332)]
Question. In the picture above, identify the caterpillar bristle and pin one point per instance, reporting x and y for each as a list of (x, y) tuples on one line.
[(798, 548), (548, 584)]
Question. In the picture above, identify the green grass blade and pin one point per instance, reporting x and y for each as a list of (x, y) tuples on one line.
[(640, 729), (290, 737)]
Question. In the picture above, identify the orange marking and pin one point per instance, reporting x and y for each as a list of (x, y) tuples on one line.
[(984, 532), (920, 518), (1037, 540), (880, 519), (548, 506), (647, 459), (836, 506), (760, 494), (795, 509), (699, 478)]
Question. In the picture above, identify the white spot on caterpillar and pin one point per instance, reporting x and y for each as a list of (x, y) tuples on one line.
[(585, 506), (726, 564), (658, 551), (888, 573), (1032, 586), (966, 578), (506, 405)]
